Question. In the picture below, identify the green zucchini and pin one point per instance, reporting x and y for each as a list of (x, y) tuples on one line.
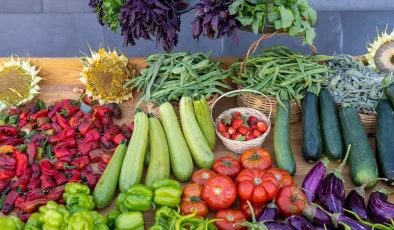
[(362, 162), (283, 154), (389, 89), (181, 160), (334, 146), (159, 165), (384, 140), (204, 120), (106, 186), (312, 143), (133, 163)]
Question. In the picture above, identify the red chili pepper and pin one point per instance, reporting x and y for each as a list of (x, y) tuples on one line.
[(107, 122), (31, 206), (73, 175), (61, 165), (9, 130), (6, 174), (92, 135), (126, 131), (9, 202), (35, 194), (56, 127), (38, 138), (76, 119), (60, 179), (54, 119), (63, 135), (67, 143), (39, 114), (87, 169), (116, 111), (22, 161), (33, 184), (107, 158), (98, 125), (62, 121), (15, 111), (43, 121), (80, 162), (18, 203), (7, 162), (4, 183), (47, 127), (22, 122), (31, 152), (59, 153), (92, 179), (47, 182), (36, 171), (21, 184), (4, 137), (47, 168), (29, 109), (58, 107), (67, 159), (102, 166), (107, 144), (24, 217), (87, 148), (119, 138), (85, 127), (56, 193), (96, 155), (87, 117), (111, 132), (69, 110), (101, 112)]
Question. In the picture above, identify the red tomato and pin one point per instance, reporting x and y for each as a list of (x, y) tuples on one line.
[(219, 192), (229, 218), (256, 158), (262, 126), (228, 166), (201, 176), (246, 209), (290, 201), (282, 176), (191, 201), (257, 186)]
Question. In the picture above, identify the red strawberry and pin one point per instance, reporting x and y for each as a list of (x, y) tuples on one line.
[(256, 133), (237, 137), (237, 115), (250, 137), (243, 130), (253, 126), (250, 130), (236, 124), (227, 120), (231, 130), (253, 120), (226, 135), (262, 126), (221, 127)]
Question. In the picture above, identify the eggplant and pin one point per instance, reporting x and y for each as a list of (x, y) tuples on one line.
[(314, 178), (322, 228), (271, 212), (379, 208), (299, 223), (317, 216), (273, 225), (339, 218), (332, 189)]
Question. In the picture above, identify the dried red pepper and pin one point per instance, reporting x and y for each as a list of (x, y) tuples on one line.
[(15, 111), (24, 217), (9, 130), (63, 135), (92, 135), (7, 162), (56, 127), (22, 122), (119, 138), (107, 158), (92, 179), (36, 171), (73, 175), (85, 149), (56, 193), (116, 111), (58, 107), (33, 184), (111, 132), (76, 119), (35, 194), (29, 109), (96, 155), (107, 144), (102, 166), (47, 182), (87, 169), (22, 161), (47, 127), (59, 153), (6, 174), (61, 121), (47, 168), (9, 202), (39, 114), (80, 162), (60, 179), (126, 131), (13, 142), (107, 123), (18, 203), (4, 137), (43, 121), (85, 127), (66, 159), (21, 184), (31, 206), (98, 125), (4, 183), (101, 112), (69, 110), (31, 150), (67, 143)]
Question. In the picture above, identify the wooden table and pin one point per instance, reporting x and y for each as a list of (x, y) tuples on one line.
[(62, 75)]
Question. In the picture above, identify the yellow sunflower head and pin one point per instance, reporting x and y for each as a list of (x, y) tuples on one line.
[(380, 54), (18, 83), (104, 75)]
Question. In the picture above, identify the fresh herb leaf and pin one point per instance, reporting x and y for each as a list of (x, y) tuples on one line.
[(286, 17), (310, 35)]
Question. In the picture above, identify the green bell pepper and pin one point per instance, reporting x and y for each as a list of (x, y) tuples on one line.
[(87, 220), (137, 198), (130, 221), (50, 217), (165, 217), (11, 223), (167, 192), (111, 218), (78, 198)]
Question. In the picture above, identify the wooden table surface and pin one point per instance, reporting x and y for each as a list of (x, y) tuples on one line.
[(62, 77)]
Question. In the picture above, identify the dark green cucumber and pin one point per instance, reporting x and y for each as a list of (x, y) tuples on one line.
[(389, 91), (334, 147), (312, 144), (283, 154), (362, 163), (384, 140)]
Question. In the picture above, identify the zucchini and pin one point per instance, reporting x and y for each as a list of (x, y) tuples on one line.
[(133, 163), (389, 89), (147, 154), (204, 120), (361, 160), (181, 160), (384, 140), (106, 186), (283, 154), (312, 143), (334, 146), (199, 148), (159, 165)]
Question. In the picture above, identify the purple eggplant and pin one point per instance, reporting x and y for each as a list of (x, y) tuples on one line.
[(273, 225), (313, 179), (332, 189), (317, 216), (379, 208), (299, 223), (322, 228), (271, 212), (339, 219)]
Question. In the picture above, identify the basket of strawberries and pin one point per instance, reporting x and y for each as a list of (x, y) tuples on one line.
[(242, 128)]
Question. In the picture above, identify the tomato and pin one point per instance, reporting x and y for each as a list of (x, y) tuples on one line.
[(229, 218), (256, 158), (257, 209), (257, 186), (262, 126), (201, 176), (191, 200), (228, 166), (219, 192), (290, 201), (282, 176)]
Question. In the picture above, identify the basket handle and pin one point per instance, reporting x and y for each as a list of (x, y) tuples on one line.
[(254, 46), (236, 91)]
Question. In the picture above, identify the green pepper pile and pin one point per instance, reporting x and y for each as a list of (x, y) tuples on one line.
[(87, 220), (78, 198), (50, 216), (11, 223)]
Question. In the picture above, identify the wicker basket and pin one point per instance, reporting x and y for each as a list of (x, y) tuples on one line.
[(263, 104), (240, 146), (367, 120)]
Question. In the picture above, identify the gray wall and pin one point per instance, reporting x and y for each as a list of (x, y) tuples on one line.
[(63, 28)]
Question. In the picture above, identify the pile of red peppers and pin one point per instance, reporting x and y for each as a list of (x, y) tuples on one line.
[(46, 148)]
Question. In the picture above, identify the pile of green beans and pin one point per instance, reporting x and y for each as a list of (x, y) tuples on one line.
[(169, 76), (277, 71)]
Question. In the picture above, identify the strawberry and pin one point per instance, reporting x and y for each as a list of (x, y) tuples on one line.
[(237, 115), (250, 137), (231, 130), (237, 137), (256, 133), (236, 124), (226, 135), (250, 130), (253, 120), (253, 126), (227, 120), (243, 130), (262, 126), (221, 127)]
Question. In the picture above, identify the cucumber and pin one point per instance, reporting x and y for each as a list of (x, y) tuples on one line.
[(283, 154), (334, 146), (199, 148), (181, 160), (204, 120), (159, 165), (133, 163), (312, 143), (384, 140), (106, 186), (361, 160)]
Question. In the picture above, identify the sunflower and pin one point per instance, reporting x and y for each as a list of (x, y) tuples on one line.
[(18, 83), (104, 75), (380, 54)]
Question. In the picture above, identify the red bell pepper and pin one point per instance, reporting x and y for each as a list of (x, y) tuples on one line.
[(102, 166), (35, 194), (47, 168), (67, 143), (98, 125), (69, 110), (111, 132), (39, 114), (67, 159), (36, 171), (92, 135), (43, 121), (60, 179), (63, 135), (18, 203), (21, 184), (107, 123), (6, 174), (47, 182), (9, 130), (7, 162), (56, 127), (119, 138), (31, 150), (9, 202), (22, 122), (76, 119), (126, 131), (92, 179), (62, 121), (96, 155), (101, 112), (80, 162), (4, 183), (59, 153), (33, 184), (58, 107), (22, 161), (85, 149), (73, 175), (85, 127)]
